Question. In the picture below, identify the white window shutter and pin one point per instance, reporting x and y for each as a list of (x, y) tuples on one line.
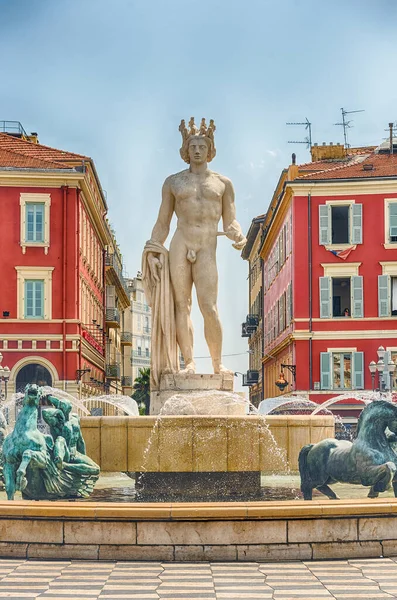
[(393, 219), (324, 224), (325, 297), (357, 223), (325, 370), (357, 296), (383, 295), (110, 296), (358, 370)]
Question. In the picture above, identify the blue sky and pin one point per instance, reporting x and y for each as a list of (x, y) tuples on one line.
[(113, 79)]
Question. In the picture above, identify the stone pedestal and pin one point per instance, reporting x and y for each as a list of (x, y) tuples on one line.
[(191, 388)]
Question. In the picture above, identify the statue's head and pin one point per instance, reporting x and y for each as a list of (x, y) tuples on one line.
[(33, 394), (198, 145)]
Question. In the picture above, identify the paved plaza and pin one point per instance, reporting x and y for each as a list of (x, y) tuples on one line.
[(64, 580)]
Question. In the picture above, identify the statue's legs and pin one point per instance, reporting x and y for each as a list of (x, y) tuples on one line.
[(327, 491), (205, 277), (9, 477), (380, 478), (61, 452), (38, 459), (181, 278)]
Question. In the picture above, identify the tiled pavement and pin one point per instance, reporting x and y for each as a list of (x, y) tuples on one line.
[(63, 580)]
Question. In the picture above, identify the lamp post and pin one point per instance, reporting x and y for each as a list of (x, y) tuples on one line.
[(385, 372), (372, 368), (4, 376)]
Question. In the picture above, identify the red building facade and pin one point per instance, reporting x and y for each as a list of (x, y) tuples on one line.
[(330, 275), (53, 236)]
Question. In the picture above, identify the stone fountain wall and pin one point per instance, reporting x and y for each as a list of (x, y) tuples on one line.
[(202, 444)]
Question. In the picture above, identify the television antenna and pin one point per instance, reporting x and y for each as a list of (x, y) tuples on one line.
[(308, 138), (346, 124)]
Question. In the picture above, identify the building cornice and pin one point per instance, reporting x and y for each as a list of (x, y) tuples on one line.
[(340, 187)]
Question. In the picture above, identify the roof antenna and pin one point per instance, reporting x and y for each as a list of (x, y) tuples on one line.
[(346, 124), (308, 138)]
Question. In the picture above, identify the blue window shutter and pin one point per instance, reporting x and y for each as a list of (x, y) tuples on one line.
[(392, 219), (386, 376), (358, 370), (324, 224), (34, 299), (325, 370), (39, 222), (384, 295), (325, 297), (29, 299), (357, 296), (357, 223)]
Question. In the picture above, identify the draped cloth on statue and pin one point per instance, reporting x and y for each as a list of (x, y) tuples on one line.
[(159, 296)]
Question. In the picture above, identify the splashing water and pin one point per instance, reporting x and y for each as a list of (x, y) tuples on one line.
[(206, 402), (126, 404)]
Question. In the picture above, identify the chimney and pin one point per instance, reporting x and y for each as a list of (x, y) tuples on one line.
[(327, 152), (293, 169)]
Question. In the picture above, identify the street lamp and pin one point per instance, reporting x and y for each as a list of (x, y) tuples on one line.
[(391, 367), (4, 376), (372, 368), (385, 371)]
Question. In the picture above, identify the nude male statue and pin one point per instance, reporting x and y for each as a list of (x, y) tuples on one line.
[(199, 198)]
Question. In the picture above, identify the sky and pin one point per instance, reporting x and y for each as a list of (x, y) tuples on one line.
[(112, 80)]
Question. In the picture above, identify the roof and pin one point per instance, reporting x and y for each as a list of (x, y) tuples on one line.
[(39, 151), (251, 235), (360, 166), (17, 160)]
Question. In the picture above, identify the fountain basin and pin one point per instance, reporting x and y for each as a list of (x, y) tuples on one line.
[(198, 456), (244, 531)]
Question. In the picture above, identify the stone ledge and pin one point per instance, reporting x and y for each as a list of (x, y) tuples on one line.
[(333, 550), (191, 511)]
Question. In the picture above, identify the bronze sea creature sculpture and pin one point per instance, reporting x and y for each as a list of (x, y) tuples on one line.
[(369, 460), (47, 467)]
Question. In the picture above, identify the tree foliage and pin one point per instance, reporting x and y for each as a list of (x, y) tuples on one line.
[(142, 390)]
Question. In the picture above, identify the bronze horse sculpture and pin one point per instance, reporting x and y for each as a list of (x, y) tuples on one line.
[(369, 460), (47, 466)]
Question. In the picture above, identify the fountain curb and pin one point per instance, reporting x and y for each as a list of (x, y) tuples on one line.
[(199, 531)]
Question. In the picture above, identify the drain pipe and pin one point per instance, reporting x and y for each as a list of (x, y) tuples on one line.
[(65, 190), (309, 222)]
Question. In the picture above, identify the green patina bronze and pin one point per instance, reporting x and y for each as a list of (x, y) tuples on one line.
[(47, 467), (369, 460)]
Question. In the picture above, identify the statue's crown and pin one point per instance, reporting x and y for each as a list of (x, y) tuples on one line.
[(192, 130)]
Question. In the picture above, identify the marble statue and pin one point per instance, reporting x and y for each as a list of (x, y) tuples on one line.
[(369, 460), (46, 467), (200, 198)]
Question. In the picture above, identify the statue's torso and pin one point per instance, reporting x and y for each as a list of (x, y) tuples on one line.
[(198, 202)]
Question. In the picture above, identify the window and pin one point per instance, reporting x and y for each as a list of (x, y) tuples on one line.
[(392, 223), (342, 370), (34, 292), (340, 224), (35, 221), (34, 299), (341, 297)]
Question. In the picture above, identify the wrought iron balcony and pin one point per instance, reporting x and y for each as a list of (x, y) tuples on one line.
[(112, 317), (250, 325), (251, 378), (112, 371), (126, 381), (112, 262), (126, 338)]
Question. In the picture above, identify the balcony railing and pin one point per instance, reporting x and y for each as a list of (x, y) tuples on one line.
[(112, 317), (112, 371), (112, 261), (126, 381), (126, 338), (249, 326)]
